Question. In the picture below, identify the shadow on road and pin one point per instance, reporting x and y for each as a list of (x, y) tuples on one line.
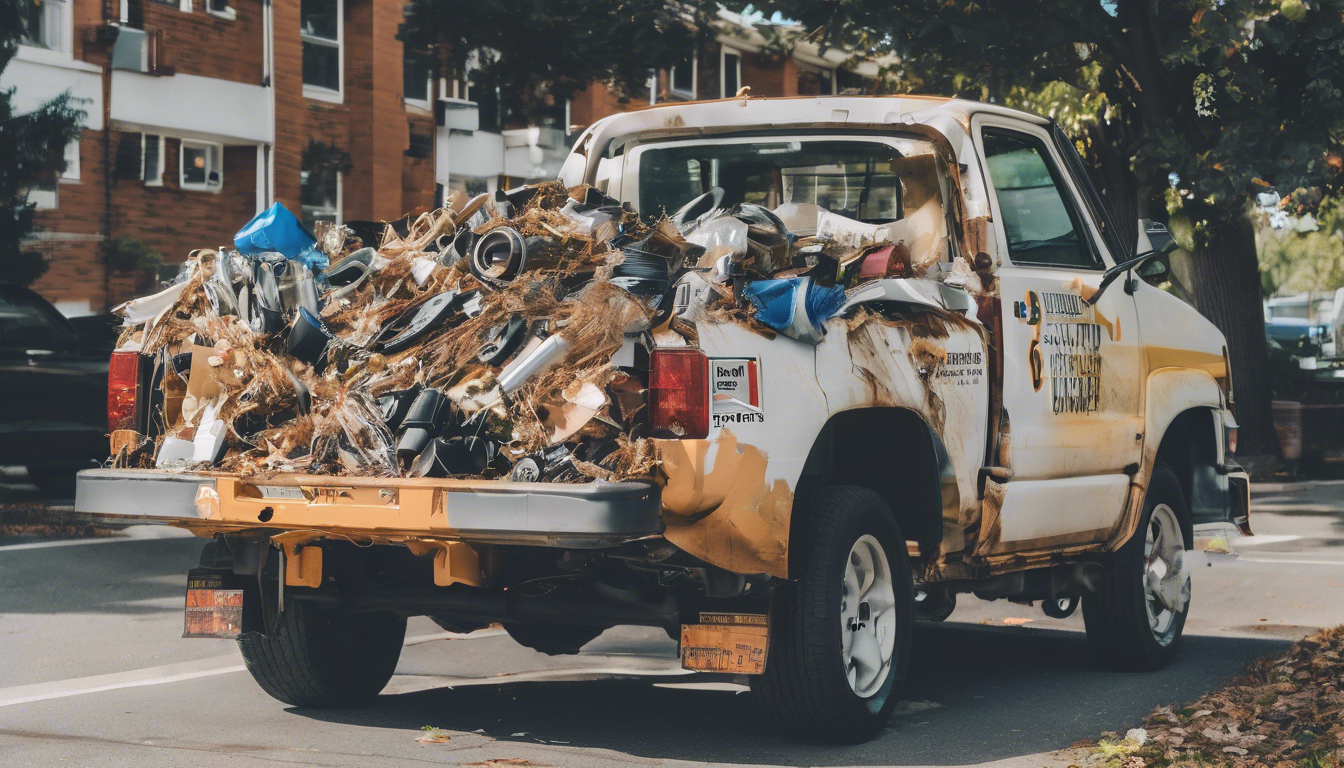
[(113, 577), (976, 694)]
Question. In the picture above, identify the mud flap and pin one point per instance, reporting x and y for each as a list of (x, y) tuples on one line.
[(214, 604), (726, 642)]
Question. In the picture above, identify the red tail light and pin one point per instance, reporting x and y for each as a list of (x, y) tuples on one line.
[(679, 393), (123, 378)]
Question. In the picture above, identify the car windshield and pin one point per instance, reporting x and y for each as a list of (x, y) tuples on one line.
[(871, 181)]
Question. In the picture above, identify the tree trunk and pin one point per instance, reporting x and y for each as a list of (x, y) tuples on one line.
[(1227, 291)]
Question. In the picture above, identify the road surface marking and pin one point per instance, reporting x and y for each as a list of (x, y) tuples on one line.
[(166, 673), (1277, 561), (170, 673), (134, 533)]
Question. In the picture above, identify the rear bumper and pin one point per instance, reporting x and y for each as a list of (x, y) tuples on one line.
[(539, 514)]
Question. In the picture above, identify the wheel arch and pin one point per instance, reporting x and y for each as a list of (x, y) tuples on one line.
[(895, 453), (1183, 427)]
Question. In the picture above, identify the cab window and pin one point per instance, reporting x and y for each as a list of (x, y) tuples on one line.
[(1042, 227)]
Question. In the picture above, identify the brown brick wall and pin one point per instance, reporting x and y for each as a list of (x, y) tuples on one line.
[(200, 43), (169, 219)]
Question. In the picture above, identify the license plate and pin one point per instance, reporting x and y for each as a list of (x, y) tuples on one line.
[(212, 610), (281, 492), (733, 643)]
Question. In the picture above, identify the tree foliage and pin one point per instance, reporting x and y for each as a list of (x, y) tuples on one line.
[(536, 51), (1231, 96), (31, 146)]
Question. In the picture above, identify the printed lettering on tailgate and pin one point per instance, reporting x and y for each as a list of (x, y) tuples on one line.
[(735, 391)]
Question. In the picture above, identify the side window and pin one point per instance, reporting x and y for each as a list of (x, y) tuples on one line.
[(1042, 227)]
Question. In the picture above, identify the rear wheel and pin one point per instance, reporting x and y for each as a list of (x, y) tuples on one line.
[(840, 641), (1134, 621), (323, 657)]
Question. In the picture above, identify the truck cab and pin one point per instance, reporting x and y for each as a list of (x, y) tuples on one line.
[(1001, 400)]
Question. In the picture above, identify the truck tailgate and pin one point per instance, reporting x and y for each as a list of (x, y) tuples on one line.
[(543, 514)]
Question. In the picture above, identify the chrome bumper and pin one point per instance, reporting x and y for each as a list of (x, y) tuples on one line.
[(539, 514)]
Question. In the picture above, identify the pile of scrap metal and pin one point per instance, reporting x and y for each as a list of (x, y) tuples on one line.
[(503, 336)]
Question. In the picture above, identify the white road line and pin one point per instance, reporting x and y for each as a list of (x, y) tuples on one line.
[(167, 673), (1276, 561), (1263, 538), (171, 673), (63, 543), (131, 533)]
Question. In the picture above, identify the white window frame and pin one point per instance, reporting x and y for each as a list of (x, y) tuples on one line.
[(340, 202), (158, 180), (182, 5), (228, 14), (695, 79), (71, 173), (63, 52), (217, 150), (724, 51), (316, 91)]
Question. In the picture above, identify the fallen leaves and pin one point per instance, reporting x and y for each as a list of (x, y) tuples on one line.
[(1285, 711)]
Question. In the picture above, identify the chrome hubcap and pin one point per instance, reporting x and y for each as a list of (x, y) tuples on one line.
[(867, 617), (1165, 579)]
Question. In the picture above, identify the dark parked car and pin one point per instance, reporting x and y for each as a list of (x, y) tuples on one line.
[(53, 390)]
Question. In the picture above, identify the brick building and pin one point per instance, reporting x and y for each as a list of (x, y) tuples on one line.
[(200, 113)]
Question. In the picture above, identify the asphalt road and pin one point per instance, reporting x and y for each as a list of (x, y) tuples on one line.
[(93, 672)]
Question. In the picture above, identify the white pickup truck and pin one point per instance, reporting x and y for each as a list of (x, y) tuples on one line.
[(1018, 414)]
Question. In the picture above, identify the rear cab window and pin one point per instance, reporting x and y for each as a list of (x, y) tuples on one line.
[(888, 182)]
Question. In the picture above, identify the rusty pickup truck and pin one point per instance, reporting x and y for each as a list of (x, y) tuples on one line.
[(1020, 411)]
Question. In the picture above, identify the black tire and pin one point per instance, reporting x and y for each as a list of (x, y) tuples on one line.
[(322, 657), (552, 639), (1116, 615), (805, 690)]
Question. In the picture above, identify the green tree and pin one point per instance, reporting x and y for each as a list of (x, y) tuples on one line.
[(1226, 98), (538, 51), (31, 155)]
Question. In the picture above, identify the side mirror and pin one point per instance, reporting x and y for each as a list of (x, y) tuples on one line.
[(1154, 271)]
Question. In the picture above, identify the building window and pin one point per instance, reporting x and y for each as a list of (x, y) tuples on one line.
[(151, 159), (320, 196), (71, 172), (200, 166), (320, 28), (220, 8), (417, 77), (730, 72), (44, 24), (815, 81), (44, 198), (682, 79)]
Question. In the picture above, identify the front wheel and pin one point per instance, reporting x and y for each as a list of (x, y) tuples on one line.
[(840, 640), (1134, 621), (323, 657)]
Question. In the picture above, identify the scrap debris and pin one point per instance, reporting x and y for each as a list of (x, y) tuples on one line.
[(501, 337)]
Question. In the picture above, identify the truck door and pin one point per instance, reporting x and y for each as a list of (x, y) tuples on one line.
[(1072, 383)]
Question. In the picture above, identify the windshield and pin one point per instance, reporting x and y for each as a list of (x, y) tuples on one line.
[(867, 180)]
